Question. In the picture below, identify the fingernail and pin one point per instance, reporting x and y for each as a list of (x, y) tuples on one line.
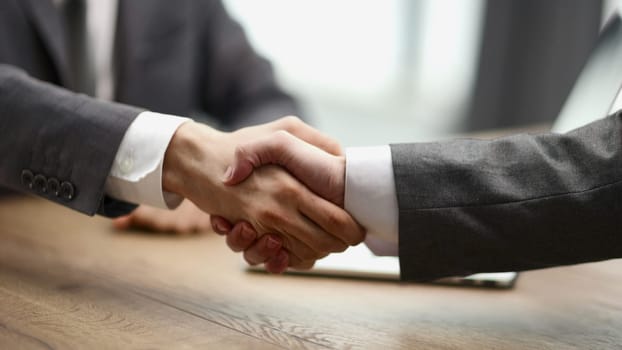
[(227, 176), (247, 233), (219, 226), (273, 243)]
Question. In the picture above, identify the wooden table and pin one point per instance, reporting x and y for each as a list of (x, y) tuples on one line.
[(68, 281)]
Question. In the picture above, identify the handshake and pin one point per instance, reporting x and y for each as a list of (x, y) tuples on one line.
[(276, 190)]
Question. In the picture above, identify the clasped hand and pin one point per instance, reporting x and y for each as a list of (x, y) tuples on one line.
[(271, 208)]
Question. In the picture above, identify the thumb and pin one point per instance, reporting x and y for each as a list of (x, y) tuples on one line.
[(321, 172), (271, 149), (238, 171)]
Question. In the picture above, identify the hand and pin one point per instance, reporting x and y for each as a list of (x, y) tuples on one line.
[(321, 172), (270, 200), (185, 219), (293, 126), (242, 237)]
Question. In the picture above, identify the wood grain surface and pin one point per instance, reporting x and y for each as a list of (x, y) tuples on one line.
[(68, 281)]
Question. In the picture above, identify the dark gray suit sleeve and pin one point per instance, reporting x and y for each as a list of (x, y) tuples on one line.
[(57, 144), (514, 203), (239, 85)]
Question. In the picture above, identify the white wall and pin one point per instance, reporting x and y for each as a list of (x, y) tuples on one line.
[(375, 71)]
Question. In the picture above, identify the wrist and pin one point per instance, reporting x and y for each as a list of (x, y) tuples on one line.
[(185, 154)]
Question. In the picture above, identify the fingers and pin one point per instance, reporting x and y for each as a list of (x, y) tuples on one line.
[(308, 234), (279, 263), (267, 247), (241, 237), (268, 250), (332, 220), (275, 259), (307, 241), (220, 225)]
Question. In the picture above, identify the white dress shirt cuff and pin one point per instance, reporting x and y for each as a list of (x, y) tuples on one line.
[(371, 198), (136, 173)]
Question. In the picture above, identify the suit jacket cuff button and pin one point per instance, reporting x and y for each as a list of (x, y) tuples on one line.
[(54, 186), (67, 190), (40, 183), (27, 178)]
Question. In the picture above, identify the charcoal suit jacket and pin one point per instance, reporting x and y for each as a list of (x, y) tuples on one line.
[(514, 203), (183, 57)]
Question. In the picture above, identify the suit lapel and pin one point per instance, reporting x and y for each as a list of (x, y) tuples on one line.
[(49, 26)]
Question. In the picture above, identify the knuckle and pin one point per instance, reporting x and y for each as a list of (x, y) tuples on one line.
[(288, 190), (264, 250), (269, 217), (290, 123), (236, 241), (348, 229), (334, 147), (241, 151), (337, 221), (281, 140)]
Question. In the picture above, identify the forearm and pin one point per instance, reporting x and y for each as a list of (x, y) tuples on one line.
[(62, 136), (515, 203)]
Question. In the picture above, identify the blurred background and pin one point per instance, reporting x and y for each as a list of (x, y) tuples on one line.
[(384, 71)]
